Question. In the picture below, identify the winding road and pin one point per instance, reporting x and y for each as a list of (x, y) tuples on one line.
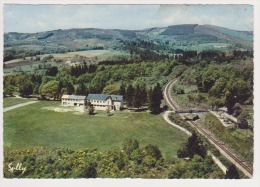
[(246, 169)]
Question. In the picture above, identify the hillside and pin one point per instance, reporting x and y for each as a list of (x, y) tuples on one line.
[(168, 39), (179, 29)]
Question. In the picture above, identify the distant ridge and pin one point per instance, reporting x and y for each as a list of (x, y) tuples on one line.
[(180, 29), (184, 37)]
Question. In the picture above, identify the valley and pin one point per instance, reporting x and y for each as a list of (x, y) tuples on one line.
[(213, 68)]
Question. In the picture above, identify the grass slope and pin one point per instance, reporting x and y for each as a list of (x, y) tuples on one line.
[(31, 126), (11, 101)]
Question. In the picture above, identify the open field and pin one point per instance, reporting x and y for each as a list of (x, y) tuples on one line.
[(103, 54), (32, 126), (11, 101), (92, 56), (190, 98), (185, 103)]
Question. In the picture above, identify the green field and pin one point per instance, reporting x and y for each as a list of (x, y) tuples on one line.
[(191, 97), (11, 101), (32, 126), (185, 103)]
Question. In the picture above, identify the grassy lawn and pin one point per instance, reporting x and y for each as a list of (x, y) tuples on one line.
[(189, 99), (238, 140), (31, 126), (11, 101), (185, 103)]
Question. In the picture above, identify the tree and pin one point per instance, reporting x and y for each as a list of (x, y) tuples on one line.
[(237, 90), (196, 145), (242, 120), (122, 90), (230, 101), (184, 152), (153, 151), (159, 92), (232, 172), (8, 90), (129, 96), (108, 110), (50, 90), (89, 170), (209, 78), (155, 97), (81, 89), (70, 88), (137, 99), (25, 88), (111, 89), (193, 146), (149, 161), (143, 95), (129, 145), (137, 155), (52, 71), (89, 109), (237, 109), (180, 91), (218, 89)]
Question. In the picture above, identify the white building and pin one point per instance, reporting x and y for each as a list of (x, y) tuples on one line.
[(73, 100), (99, 101), (118, 101), (103, 101)]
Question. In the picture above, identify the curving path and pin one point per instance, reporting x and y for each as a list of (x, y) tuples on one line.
[(166, 118)]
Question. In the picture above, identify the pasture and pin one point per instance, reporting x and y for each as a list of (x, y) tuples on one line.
[(91, 56), (33, 126), (11, 101)]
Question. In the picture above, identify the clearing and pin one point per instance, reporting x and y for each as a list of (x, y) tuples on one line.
[(11, 101), (37, 126)]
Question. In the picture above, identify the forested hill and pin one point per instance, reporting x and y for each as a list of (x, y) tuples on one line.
[(167, 39)]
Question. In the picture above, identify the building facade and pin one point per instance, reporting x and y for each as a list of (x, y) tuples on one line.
[(99, 101), (73, 100), (104, 102)]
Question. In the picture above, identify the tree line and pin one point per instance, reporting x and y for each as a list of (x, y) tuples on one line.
[(129, 161)]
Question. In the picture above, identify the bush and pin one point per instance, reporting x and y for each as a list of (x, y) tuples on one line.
[(153, 151), (180, 91), (129, 145), (232, 172), (242, 120), (90, 170), (149, 161)]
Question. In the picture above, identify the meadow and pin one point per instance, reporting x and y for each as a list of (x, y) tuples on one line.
[(33, 126), (11, 101)]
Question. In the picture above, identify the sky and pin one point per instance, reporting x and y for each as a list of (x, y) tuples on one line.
[(37, 18)]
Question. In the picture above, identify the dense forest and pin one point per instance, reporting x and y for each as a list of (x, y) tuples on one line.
[(131, 161), (227, 78)]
